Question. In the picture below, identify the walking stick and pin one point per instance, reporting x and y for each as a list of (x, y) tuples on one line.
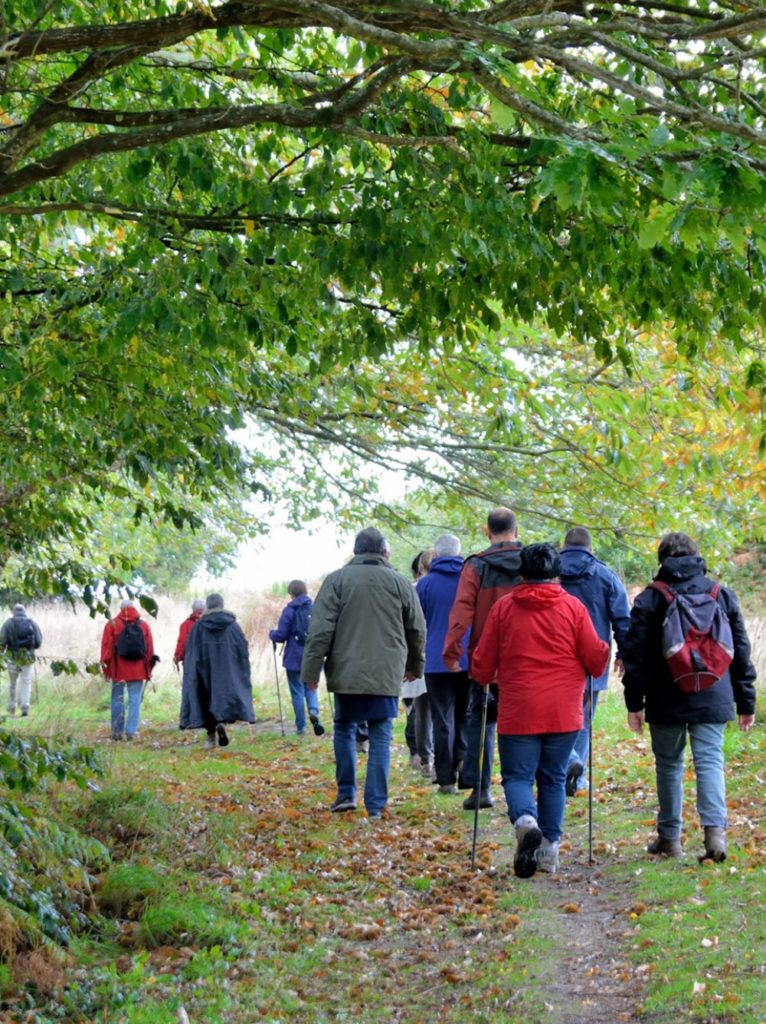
[(279, 695), (477, 788), (590, 769)]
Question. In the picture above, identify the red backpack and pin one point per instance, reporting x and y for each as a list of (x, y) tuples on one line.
[(696, 638)]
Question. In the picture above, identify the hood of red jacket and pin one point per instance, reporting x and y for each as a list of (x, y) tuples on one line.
[(537, 595), (129, 614)]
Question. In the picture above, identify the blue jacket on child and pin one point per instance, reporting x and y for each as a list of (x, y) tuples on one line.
[(292, 654)]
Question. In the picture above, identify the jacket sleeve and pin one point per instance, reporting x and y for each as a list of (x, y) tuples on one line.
[(591, 650), (107, 649), (414, 630), (149, 659), (741, 671), (282, 633), (461, 613), (486, 657), (618, 609), (324, 618), (635, 650)]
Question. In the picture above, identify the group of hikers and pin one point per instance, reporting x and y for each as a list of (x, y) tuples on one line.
[(513, 641)]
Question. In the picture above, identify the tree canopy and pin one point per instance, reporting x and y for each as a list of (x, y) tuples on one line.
[(219, 213)]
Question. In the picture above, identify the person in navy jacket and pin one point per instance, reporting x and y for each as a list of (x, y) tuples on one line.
[(447, 690), (603, 594), (291, 631)]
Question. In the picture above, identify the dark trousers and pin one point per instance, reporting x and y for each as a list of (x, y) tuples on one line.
[(448, 696), (470, 774), (417, 731)]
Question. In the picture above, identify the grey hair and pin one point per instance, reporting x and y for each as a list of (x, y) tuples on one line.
[(370, 541), (213, 602), (198, 604), (447, 544), (127, 603)]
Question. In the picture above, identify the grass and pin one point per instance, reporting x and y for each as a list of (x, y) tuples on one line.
[(235, 895)]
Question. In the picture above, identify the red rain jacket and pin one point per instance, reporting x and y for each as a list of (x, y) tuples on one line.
[(118, 669)]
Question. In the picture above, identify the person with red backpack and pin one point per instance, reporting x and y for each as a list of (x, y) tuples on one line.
[(687, 667), (127, 658)]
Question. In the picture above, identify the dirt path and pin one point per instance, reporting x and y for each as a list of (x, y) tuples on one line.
[(577, 932)]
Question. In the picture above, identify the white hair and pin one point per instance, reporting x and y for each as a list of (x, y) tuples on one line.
[(447, 544), (127, 603)]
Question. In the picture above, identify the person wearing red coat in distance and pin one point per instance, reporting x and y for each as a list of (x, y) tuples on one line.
[(127, 658), (198, 607), (538, 643)]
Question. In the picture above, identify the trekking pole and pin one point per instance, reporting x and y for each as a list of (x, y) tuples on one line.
[(279, 695), (590, 769), (477, 787)]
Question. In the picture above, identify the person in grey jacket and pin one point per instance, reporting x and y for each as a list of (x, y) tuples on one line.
[(20, 637), (368, 633)]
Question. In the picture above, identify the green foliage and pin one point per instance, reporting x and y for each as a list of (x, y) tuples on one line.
[(127, 886), (25, 763), (185, 919)]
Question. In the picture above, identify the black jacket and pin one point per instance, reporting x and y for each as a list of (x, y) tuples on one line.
[(648, 682)]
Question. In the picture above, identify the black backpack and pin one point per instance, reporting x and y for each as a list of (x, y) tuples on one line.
[(131, 642), (301, 620), (22, 635)]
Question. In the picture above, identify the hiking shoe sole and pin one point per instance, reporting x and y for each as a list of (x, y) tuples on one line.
[(316, 725), (525, 860), (574, 771)]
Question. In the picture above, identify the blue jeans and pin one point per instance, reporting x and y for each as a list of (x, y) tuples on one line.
[(582, 743), (118, 708), (378, 761), (668, 745), (301, 697), (543, 758)]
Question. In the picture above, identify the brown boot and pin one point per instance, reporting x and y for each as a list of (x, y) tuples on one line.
[(715, 844), (664, 847)]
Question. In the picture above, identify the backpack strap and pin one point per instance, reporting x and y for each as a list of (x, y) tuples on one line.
[(664, 589), (714, 591)]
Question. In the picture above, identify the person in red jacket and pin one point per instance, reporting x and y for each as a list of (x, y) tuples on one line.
[(127, 658), (538, 643), (198, 607)]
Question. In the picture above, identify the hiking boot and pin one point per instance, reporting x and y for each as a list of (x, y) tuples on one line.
[(715, 844), (528, 839), (414, 761), (11, 709), (663, 847), (130, 736), (211, 742), (484, 798), (427, 770), (362, 746), (317, 725), (574, 771), (547, 856), (343, 803), (223, 739), (24, 712), (117, 736), (449, 790)]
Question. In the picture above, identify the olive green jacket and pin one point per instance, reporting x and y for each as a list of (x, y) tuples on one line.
[(367, 629)]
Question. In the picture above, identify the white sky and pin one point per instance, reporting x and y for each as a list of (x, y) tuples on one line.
[(285, 554)]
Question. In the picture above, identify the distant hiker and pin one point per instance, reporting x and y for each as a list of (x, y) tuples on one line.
[(20, 637), (652, 695), (216, 683), (198, 607), (418, 732), (539, 643), (603, 594), (447, 691), (368, 633), (127, 658), (292, 631), (486, 577)]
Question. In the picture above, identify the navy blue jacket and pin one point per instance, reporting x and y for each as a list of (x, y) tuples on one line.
[(436, 592), (648, 683), (601, 591), (216, 680), (292, 656)]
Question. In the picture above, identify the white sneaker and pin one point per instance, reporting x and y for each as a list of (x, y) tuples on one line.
[(547, 856)]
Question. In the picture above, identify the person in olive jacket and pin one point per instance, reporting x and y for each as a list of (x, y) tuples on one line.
[(368, 632), (651, 695)]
